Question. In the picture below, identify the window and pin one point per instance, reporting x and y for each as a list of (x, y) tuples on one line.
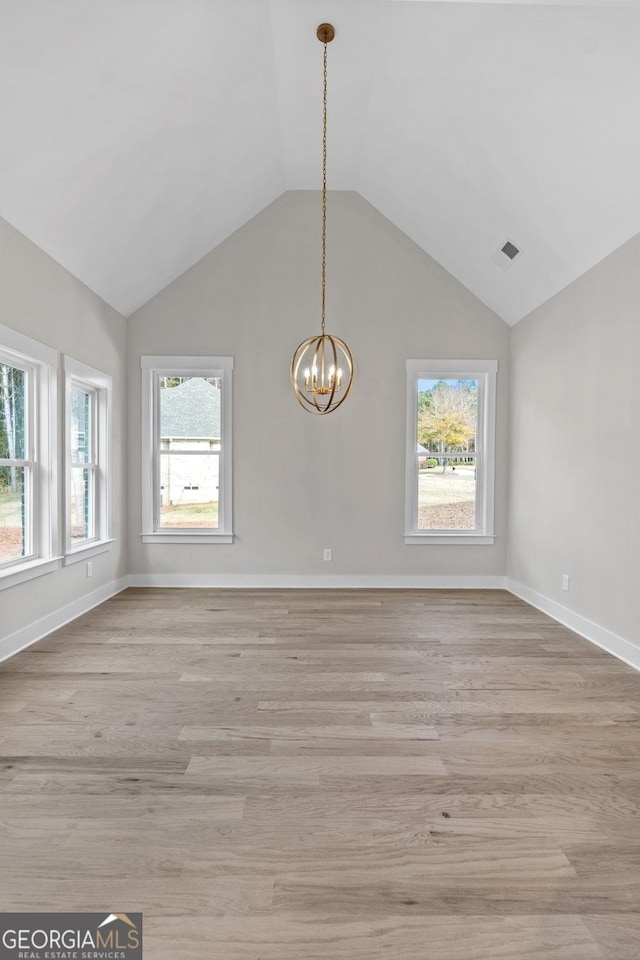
[(450, 451), (28, 527), (186, 409), (87, 426)]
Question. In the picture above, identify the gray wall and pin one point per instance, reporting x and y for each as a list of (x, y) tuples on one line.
[(41, 299), (575, 466), (302, 483)]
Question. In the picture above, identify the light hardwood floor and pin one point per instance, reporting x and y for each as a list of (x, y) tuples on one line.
[(299, 775)]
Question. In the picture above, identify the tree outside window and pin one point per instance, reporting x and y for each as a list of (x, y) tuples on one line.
[(450, 455)]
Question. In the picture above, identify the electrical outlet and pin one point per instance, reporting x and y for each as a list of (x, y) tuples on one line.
[(565, 581), (89, 568), (326, 553)]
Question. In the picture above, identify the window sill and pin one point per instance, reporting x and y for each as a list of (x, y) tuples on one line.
[(27, 571), (462, 539), (88, 550), (181, 536)]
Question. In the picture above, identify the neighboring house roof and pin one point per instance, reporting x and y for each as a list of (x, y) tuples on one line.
[(191, 409)]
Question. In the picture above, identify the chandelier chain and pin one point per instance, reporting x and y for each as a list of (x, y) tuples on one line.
[(324, 185), (322, 367)]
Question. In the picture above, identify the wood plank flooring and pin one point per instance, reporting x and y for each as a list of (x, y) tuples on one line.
[(300, 775)]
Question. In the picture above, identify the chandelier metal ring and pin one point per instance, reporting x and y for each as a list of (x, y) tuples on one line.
[(319, 366)]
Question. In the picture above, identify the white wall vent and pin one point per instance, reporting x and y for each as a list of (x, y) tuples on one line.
[(505, 256)]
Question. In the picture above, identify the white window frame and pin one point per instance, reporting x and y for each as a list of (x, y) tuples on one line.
[(485, 373), (100, 387), (41, 364), (153, 369)]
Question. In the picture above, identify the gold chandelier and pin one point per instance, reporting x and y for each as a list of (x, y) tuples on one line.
[(322, 366)]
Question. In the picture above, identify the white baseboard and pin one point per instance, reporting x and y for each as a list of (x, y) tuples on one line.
[(15, 642), (337, 582), (603, 638)]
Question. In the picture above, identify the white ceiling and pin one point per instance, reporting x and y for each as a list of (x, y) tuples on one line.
[(136, 135)]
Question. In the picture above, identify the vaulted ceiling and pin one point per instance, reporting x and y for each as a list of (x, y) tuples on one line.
[(136, 135)]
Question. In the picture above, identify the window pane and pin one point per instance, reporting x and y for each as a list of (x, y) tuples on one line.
[(447, 495), (13, 524), (189, 489), (190, 413), (81, 504), (12, 412), (447, 420), (80, 426)]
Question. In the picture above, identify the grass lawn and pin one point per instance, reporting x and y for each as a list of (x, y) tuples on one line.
[(10, 526), (446, 501), (189, 515)]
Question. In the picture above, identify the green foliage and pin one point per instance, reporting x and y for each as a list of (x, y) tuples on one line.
[(424, 401), (166, 382), (431, 463)]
